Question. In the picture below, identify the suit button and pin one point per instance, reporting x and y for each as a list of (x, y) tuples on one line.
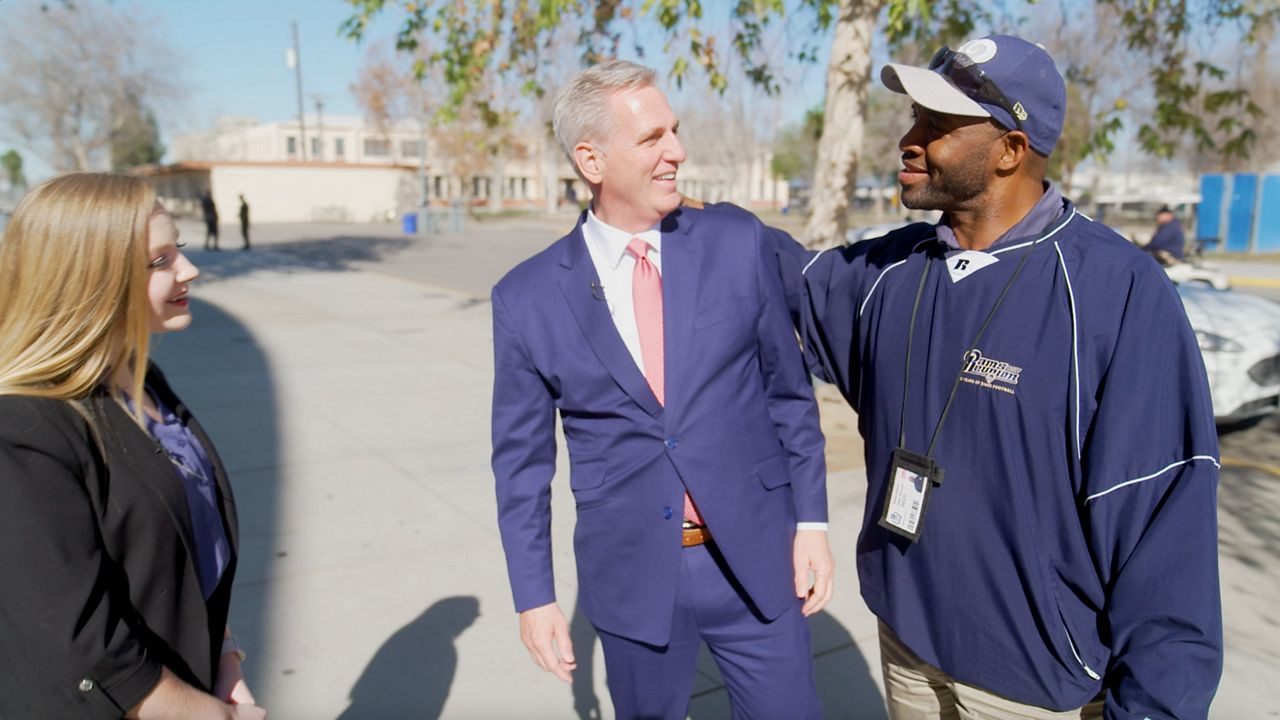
[(671, 443), (86, 685), (666, 513)]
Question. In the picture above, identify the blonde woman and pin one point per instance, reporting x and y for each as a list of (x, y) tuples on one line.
[(117, 526)]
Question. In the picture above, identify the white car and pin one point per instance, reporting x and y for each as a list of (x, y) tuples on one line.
[(1190, 273), (1239, 336)]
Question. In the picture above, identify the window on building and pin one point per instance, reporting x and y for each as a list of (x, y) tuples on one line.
[(409, 148), (291, 146), (377, 148), (439, 191), (339, 148), (317, 151)]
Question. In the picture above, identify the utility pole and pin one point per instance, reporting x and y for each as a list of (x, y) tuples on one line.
[(293, 59)]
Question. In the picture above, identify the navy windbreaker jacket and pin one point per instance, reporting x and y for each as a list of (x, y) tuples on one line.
[(1072, 545)]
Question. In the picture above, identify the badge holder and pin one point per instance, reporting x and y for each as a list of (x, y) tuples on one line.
[(911, 478)]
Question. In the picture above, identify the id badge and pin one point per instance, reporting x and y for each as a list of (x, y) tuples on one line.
[(911, 479)]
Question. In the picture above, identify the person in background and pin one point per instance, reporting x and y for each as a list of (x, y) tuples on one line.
[(118, 534), (244, 222), (210, 212), (1169, 243)]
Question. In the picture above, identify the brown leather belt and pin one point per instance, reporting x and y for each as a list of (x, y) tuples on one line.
[(696, 536)]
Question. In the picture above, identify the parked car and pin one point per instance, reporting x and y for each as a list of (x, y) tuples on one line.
[(1239, 336), (1195, 272)]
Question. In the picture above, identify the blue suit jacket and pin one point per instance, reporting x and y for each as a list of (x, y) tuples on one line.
[(739, 428)]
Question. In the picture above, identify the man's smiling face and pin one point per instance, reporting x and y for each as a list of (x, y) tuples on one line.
[(640, 160), (946, 160)]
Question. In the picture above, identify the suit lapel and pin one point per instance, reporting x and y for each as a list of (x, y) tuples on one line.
[(153, 469), (226, 501), (681, 271), (592, 314)]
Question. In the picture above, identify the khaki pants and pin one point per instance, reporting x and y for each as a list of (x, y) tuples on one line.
[(915, 690)]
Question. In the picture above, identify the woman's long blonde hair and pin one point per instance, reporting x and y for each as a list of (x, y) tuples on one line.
[(73, 286)]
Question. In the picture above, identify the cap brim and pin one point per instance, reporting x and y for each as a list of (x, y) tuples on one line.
[(930, 90)]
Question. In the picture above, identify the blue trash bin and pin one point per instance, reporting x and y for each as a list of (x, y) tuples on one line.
[(410, 223)]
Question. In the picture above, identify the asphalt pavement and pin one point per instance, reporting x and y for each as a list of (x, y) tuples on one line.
[(344, 372)]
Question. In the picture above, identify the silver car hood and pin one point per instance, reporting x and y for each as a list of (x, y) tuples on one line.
[(1228, 313)]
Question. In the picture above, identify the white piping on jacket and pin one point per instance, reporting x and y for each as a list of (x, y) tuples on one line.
[(876, 284), (1157, 473), (1075, 347)]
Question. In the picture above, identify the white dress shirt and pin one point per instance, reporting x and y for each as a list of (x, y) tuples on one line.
[(615, 267), (607, 246)]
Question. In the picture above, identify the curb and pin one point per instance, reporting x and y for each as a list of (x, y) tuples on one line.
[(1254, 282)]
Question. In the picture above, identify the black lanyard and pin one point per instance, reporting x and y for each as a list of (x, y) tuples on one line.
[(911, 332)]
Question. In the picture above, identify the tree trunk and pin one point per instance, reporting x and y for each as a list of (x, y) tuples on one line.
[(550, 181), (848, 75), (497, 184)]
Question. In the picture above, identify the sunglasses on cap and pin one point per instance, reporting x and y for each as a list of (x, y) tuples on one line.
[(969, 78)]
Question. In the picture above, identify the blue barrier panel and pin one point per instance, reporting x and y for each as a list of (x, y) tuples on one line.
[(409, 222), (1268, 233), (1244, 191), (1209, 212)]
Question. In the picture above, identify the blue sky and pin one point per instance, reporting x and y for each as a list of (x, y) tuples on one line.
[(232, 59), (234, 52), (235, 49)]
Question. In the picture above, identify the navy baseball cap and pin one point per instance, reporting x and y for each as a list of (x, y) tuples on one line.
[(1005, 78)]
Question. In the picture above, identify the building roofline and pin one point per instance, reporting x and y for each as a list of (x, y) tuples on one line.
[(198, 165)]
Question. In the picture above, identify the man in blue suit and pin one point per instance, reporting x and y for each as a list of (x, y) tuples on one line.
[(661, 336)]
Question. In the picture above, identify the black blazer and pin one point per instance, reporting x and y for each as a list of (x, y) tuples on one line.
[(98, 582)]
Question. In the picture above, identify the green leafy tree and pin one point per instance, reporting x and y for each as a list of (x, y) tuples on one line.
[(136, 139), (795, 151), (1192, 95), (11, 161)]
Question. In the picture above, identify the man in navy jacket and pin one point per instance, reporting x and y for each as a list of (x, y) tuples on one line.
[(1040, 533), (661, 337), (1168, 243)]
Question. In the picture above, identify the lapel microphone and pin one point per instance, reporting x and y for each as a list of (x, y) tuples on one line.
[(597, 291)]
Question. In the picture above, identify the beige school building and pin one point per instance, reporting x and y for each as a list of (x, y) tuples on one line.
[(348, 170)]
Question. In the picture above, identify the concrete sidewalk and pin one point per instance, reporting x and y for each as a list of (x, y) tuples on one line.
[(352, 411), (350, 401)]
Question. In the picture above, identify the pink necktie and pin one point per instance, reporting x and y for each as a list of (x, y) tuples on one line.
[(646, 295)]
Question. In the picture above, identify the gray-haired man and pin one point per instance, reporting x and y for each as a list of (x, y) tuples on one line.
[(661, 336)]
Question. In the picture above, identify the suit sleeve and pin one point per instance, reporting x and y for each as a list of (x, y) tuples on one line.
[(789, 393), (1151, 473), (68, 651), (792, 257), (524, 458)]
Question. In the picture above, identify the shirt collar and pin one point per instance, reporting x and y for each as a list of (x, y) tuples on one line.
[(611, 242), (1045, 211)]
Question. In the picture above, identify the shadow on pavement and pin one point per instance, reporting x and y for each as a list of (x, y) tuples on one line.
[(845, 682), (1249, 492), (410, 675), (586, 705), (221, 373), (332, 254)]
